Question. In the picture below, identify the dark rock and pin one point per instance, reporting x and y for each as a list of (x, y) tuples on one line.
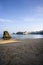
[(6, 35), (19, 33)]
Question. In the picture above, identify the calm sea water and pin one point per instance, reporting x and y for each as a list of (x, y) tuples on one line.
[(30, 36)]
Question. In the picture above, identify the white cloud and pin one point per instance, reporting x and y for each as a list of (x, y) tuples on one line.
[(36, 18), (9, 20), (33, 19), (5, 20), (36, 15), (39, 9)]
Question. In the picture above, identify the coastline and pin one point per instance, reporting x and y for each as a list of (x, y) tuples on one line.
[(8, 41), (29, 41)]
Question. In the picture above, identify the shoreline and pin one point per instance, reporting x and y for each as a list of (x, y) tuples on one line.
[(8, 41), (19, 40)]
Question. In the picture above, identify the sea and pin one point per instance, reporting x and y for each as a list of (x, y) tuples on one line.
[(29, 36)]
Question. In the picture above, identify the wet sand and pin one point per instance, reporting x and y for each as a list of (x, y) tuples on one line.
[(26, 52)]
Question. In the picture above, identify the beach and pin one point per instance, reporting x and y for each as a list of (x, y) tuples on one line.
[(8, 41), (26, 52)]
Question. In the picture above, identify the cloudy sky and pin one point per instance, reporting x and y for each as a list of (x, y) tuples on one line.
[(21, 15)]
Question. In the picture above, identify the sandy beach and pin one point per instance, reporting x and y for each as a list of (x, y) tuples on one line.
[(8, 41), (26, 52)]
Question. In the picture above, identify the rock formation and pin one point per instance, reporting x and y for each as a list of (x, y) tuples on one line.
[(6, 35)]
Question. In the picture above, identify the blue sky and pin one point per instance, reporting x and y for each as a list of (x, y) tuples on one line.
[(21, 15)]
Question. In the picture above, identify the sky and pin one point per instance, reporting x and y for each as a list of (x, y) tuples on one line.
[(21, 15)]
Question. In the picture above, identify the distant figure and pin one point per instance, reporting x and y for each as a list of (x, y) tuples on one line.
[(6, 35)]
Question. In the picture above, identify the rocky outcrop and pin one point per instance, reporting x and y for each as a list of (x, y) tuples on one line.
[(6, 35)]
